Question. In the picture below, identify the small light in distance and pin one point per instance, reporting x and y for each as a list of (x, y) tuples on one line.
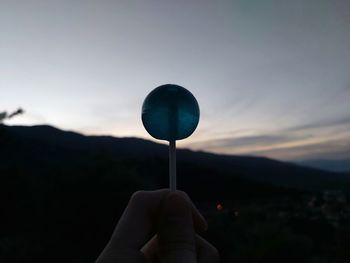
[(219, 207)]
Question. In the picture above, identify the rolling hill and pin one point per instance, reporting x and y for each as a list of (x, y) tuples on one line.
[(46, 146), (62, 192)]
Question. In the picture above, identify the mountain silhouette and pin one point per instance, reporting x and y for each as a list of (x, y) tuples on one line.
[(62, 192), (46, 146), (342, 165)]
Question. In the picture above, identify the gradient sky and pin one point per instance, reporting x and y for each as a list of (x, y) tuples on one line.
[(272, 77)]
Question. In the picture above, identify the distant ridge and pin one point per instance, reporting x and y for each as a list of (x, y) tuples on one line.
[(74, 140), (342, 166), (50, 143)]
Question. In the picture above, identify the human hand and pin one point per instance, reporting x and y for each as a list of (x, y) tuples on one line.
[(159, 226)]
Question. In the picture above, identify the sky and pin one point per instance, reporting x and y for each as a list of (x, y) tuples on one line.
[(272, 77)]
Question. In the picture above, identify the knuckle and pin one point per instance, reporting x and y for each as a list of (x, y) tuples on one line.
[(215, 255), (138, 196), (176, 198), (183, 194)]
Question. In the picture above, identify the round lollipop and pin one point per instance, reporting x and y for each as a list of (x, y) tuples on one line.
[(170, 112)]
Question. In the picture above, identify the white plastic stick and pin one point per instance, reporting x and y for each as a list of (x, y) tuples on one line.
[(172, 165)]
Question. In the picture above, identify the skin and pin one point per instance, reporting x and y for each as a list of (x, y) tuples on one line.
[(159, 227)]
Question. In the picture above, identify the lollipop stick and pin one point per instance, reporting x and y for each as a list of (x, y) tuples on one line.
[(172, 165)]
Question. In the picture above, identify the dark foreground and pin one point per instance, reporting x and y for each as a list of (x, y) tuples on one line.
[(60, 201)]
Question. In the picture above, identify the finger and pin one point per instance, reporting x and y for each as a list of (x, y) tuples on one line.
[(135, 226), (176, 235), (206, 252), (199, 222), (133, 229), (123, 256), (151, 250)]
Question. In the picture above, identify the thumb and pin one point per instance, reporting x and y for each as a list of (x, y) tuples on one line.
[(176, 235)]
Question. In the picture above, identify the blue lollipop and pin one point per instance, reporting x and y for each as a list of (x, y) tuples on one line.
[(170, 112)]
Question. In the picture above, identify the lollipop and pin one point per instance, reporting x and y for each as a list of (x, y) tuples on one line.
[(170, 112)]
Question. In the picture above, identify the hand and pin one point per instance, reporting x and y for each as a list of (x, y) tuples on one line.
[(159, 226)]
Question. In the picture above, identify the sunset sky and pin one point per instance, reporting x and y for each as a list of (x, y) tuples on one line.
[(271, 77)]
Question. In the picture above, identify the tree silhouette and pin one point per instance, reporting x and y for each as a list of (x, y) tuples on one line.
[(5, 116)]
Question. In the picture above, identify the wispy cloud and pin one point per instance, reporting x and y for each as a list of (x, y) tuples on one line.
[(250, 141), (303, 141), (321, 124), (333, 149)]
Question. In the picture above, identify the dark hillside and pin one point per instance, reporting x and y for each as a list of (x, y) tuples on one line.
[(62, 193)]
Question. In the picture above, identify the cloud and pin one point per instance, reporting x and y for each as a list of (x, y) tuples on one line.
[(333, 149), (246, 141), (285, 147), (320, 124), (323, 139)]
